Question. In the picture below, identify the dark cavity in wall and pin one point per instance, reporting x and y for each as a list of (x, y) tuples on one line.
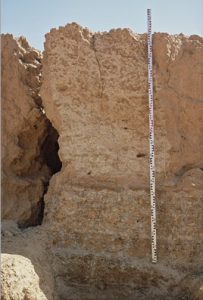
[(49, 157), (49, 150)]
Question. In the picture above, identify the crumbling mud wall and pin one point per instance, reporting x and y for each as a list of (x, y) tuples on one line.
[(94, 241), (29, 158), (97, 208), (25, 132)]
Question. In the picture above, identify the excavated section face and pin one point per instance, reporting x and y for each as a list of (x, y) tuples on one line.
[(27, 135), (97, 208)]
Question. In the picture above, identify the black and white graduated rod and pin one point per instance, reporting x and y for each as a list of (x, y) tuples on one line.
[(151, 140)]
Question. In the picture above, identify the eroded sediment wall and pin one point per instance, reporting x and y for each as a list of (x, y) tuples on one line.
[(97, 208), (25, 133), (95, 237), (29, 158)]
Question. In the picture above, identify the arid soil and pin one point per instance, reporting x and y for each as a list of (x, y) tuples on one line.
[(75, 205)]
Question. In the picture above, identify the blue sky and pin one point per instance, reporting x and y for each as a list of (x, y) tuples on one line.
[(34, 18)]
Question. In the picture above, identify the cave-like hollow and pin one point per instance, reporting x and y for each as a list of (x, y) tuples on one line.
[(48, 157)]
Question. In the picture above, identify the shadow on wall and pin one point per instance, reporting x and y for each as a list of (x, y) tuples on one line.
[(49, 157), (49, 150)]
